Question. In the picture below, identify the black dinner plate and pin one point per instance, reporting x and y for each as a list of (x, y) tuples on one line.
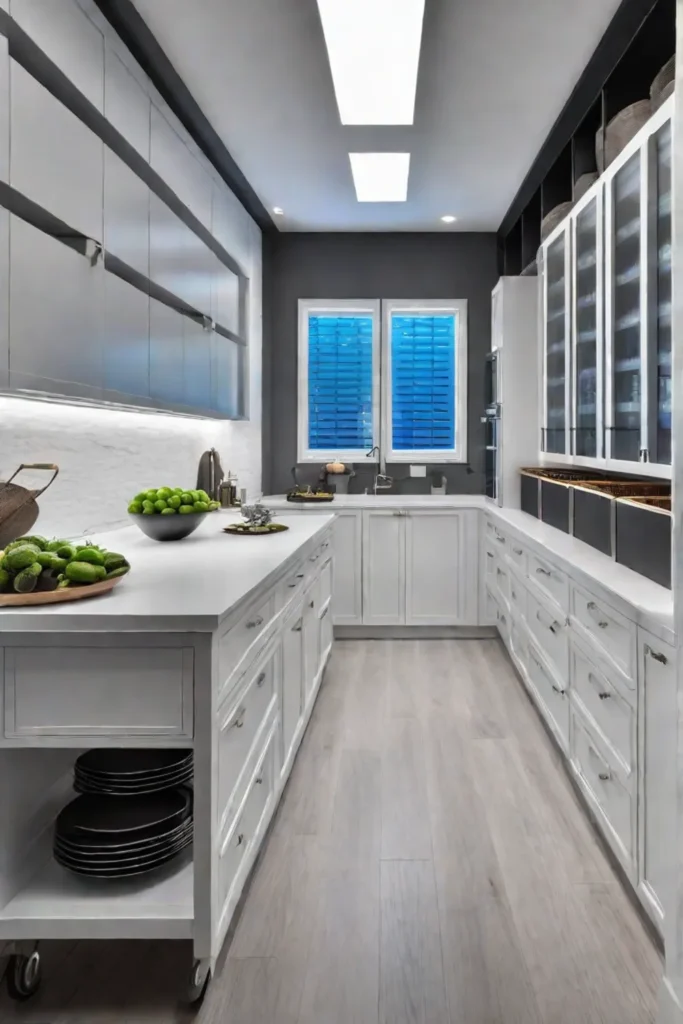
[(129, 816), (134, 780), (127, 763), (97, 845), (127, 872), (109, 863), (83, 784)]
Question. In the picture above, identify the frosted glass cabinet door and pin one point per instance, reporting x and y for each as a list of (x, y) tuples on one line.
[(196, 365), (126, 214), (165, 354), (587, 375), (625, 321), (225, 371), (56, 315), (659, 298), (126, 340), (556, 280)]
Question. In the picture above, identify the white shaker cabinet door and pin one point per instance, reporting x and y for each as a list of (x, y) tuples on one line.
[(347, 603), (56, 316), (292, 681), (437, 575), (657, 770), (384, 567)]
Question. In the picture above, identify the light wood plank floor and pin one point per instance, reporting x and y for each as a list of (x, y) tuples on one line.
[(429, 864)]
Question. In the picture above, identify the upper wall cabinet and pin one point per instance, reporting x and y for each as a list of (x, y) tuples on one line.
[(225, 300), (55, 160), (69, 38), (126, 214), (165, 355), (179, 260), (126, 105), (125, 341), (171, 159), (56, 316), (607, 315)]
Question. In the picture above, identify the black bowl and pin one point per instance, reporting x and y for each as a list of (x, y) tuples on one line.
[(175, 527)]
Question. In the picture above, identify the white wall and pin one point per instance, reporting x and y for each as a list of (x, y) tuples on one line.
[(107, 455)]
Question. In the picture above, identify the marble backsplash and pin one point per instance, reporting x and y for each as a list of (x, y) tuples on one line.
[(107, 455)]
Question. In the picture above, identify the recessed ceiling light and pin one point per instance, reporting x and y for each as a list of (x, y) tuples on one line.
[(448, 218), (278, 211), (380, 177), (374, 51)]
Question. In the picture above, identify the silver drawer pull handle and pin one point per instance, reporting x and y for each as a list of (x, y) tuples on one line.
[(298, 627), (259, 781), (240, 839), (554, 626), (514, 595), (557, 689), (314, 558), (239, 721), (602, 694), (592, 607), (253, 623), (489, 554), (312, 604), (604, 776), (543, 572), (325, 613), (518, 551), (656, 656), (501, 540), (261, 679)]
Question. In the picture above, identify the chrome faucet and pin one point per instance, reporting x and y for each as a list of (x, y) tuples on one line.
[(382, 481)]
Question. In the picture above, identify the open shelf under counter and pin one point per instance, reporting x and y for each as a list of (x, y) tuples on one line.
[(57, 904)]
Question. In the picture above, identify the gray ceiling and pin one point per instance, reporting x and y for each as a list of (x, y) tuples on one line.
[(494, 75)]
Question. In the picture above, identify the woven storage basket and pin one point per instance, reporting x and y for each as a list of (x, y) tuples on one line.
[(582, 185), (623, 127), (552, 219), (663, 84)]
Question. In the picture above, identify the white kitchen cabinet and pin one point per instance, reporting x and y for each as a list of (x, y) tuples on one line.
[(440, 582), (126, 214), (657, 768), (56, 315), (126, 104), (292, 682), (225, 296), (225, 375), (196, 365), (179, 260), (311, 640), (68, 37), (55, 160), (171, 159), (126, 340), (165, 354), (347, 601), (384, 570)]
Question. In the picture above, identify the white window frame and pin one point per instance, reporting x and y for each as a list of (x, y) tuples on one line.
[(339, 307), (458, 454)]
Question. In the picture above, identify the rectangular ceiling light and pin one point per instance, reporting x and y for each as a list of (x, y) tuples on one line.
[(380, 177), (374, 52)]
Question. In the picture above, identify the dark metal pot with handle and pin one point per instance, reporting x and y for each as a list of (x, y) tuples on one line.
[(18, 506)]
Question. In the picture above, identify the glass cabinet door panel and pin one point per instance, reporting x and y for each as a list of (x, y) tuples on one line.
[(626, 312), (663, 298), (556, 347), (586, 332)]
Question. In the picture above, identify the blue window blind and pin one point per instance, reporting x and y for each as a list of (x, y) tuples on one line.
[(423, 382), (340, 383)]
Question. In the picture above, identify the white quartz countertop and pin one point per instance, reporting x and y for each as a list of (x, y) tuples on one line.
[(182, 586), (341, 501)]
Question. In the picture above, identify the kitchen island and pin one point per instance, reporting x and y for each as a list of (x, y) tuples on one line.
[(216, 643)]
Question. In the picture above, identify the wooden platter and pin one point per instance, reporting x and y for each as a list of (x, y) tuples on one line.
[(57, 596), (241, 530)]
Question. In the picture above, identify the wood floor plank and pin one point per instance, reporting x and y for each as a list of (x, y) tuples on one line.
[(367, 697), (356, 834), (443, 679), (405, 678), (412, 989), (252, 991), (406, 831)]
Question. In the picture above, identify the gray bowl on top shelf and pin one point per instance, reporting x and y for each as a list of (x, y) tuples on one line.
[(175, 527)]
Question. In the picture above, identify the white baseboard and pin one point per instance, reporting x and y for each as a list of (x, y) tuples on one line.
[(670, 1010), (415, 632)]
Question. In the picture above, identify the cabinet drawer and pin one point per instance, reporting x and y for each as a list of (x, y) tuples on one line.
[(325, 584), (551, 633), (518, 596), (490, 560), (502, 581), (239, 729), (517, 555), (606, 789), (244, 637), (552, 695), (605, 705), (242, 840), (490, 605), (609, 631), (550, 579), (519, 643), (95, 691), (325, 631), (497, 539), (503, 622)]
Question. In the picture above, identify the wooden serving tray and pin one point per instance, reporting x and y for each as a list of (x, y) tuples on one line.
[(57, 596)]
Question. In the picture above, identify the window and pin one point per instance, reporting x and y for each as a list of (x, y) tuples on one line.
[(403, 389)]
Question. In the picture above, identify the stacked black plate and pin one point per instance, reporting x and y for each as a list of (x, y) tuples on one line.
[(132, 772), (121, 836)]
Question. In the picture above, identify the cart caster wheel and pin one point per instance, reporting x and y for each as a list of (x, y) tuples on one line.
[(200, 976), (23, 976)]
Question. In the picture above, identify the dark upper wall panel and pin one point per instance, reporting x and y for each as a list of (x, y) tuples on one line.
[(133, 30), (386, 266)]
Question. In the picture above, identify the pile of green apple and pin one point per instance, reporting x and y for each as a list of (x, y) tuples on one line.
[(170, 501)]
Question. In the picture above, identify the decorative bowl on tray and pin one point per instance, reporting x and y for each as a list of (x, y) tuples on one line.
[(257, 523)]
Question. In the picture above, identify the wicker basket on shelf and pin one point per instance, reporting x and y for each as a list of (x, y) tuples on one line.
[(582, 184), (623, 127), (552, 219), (663, 84)]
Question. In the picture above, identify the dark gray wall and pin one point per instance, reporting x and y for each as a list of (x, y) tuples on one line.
[(370, 266)]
